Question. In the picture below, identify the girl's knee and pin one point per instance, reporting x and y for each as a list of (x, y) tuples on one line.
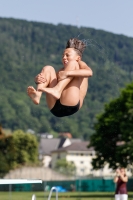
[(48, 68), (50, 75)]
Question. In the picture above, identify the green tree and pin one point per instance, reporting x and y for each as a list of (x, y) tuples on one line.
[(65, 167), (26, 148), (17, 149), (113, 138), (7, 153)]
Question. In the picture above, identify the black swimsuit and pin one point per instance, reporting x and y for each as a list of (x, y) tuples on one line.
[(60, 110)]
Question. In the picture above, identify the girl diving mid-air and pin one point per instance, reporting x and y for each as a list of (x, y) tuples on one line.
[(66, 89)]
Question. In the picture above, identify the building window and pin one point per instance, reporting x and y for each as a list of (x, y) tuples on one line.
[(81, 162)]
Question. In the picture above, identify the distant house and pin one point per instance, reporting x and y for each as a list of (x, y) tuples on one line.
[(47, 145), (77, 153), (81, 156)]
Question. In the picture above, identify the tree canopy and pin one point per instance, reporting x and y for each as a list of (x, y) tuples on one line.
[(17, 149), (113, 137)]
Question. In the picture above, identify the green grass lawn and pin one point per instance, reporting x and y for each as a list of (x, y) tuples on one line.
[(61, 196)]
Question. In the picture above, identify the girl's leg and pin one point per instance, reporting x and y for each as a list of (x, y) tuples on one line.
[(50, 81), (83, 90), (117, 197), (75, 91), (66, 90), (124, 196)]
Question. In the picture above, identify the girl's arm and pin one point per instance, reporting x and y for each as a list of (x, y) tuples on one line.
[(116, 179), (117, 176), (82, 65), (84, 71), (123, 178)]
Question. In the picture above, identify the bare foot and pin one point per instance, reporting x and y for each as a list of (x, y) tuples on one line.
[(54, 92), (34, 95)]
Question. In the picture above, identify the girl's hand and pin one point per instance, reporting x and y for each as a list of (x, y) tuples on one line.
[(40, 79), (118, 172), (62, 75)]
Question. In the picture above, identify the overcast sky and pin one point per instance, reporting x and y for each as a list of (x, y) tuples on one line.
[(115, 16)]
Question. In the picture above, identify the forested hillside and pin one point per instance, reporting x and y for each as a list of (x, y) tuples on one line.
[(25, 47)]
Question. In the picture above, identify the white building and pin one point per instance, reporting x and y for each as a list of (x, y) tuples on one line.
[(74, 151), (47, 145), (81, 156)]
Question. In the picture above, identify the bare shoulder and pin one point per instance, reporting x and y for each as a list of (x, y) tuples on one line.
[(83, 65)]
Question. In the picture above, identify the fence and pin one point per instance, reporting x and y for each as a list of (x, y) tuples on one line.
[(100, 185)]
